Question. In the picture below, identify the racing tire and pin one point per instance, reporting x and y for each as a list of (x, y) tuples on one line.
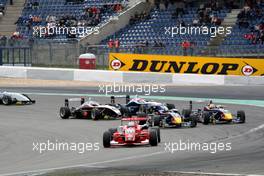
[(158, 133), (95, 114), (153, 137), (170, 106), (156, 121), (65, 112), (107, 139), (193, 120), (242, 116), (7, 100), (206, 118), (186, 113)]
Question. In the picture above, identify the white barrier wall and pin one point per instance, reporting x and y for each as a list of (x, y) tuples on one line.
[(126, 77), (13, 72), (98, 76)]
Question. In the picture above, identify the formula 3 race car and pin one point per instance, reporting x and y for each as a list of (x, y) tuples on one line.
[(10, 98), (131, 134), (135, 105), (173, 118), (217, 114), (88, 110)]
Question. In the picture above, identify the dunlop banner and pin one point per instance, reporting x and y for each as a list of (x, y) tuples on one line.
[(186, 64)]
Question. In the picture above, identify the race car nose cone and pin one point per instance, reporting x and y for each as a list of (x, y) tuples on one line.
[(228, 116), (176, 120)]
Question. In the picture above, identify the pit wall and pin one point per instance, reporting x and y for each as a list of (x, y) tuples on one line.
[(125, 77)]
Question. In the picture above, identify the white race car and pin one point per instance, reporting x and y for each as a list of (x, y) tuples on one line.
[(9, 98)]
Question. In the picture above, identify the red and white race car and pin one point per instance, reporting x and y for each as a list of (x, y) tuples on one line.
[(131, 134)]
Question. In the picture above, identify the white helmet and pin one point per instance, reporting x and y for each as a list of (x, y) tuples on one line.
[(131, 124)]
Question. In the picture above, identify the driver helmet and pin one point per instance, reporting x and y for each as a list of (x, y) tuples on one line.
[(211, 105), (131, 124)]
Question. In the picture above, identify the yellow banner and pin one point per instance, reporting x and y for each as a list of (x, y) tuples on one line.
[(186, 64)]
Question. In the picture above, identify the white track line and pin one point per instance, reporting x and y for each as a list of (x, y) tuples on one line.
[(212, 173), (82, 165), (253, 130)]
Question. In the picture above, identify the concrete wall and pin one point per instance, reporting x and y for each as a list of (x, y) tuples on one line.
[(126, 77)]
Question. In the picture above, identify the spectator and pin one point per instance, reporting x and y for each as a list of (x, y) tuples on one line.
[(251, 37), (185, 46), (243, 23), (161, 44), (3, 40), (192, 47), (166, 4), (111, 43), (157, 4), (35, 5), (118, 8), (132, 20), (261, 38), (156, 44), (139, 17), (74, 1), (2, 10), (216, 21), (196, 22), (179, 9)]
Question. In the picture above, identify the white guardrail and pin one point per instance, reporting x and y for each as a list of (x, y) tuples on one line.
[(125, 77)]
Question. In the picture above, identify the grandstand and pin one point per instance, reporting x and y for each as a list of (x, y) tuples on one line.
[(62, 13), (153, 31), (140, 27), (247, 36)]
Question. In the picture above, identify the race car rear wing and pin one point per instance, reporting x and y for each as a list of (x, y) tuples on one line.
[(68, 100), (113, 98)]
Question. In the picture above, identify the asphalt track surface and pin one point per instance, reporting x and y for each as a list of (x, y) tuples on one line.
[(21, 126)]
